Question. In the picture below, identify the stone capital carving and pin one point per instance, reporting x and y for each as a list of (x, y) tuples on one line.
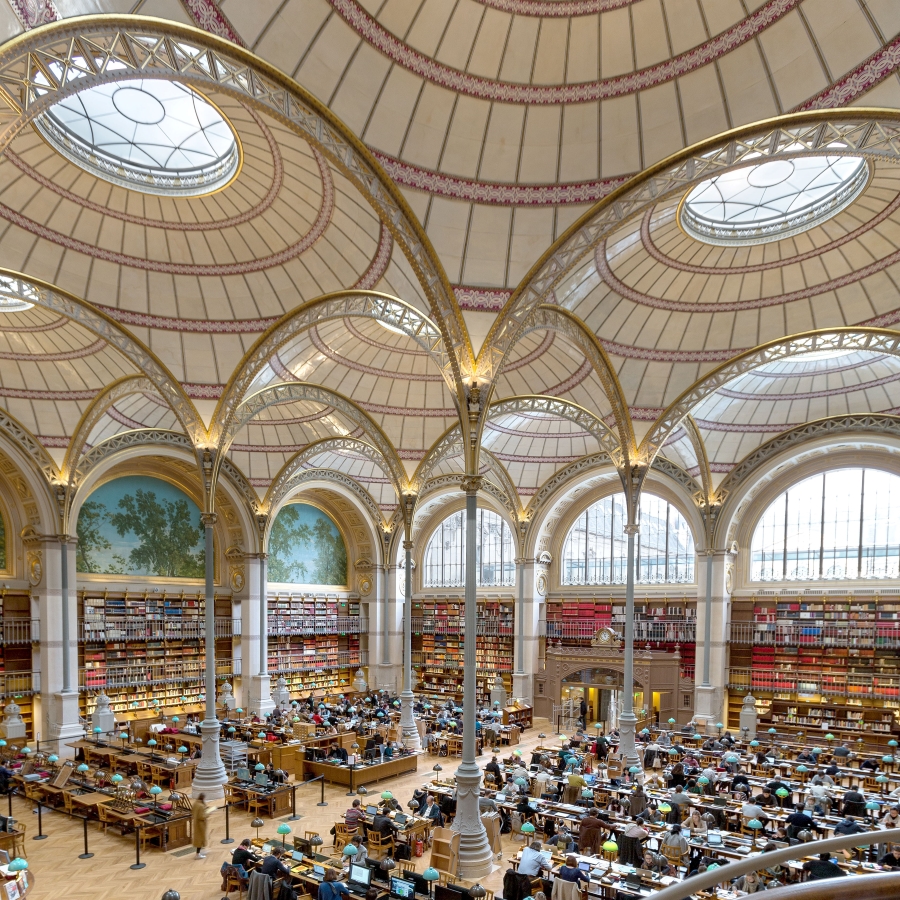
[(208, 519), (471, 484)]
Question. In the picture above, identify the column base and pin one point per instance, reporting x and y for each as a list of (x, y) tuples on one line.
[(707, 708), (210, 774), (385, 676), (64, 721), (261, 702), (627, 742), (476, 858), (409, 731), (523, 687)]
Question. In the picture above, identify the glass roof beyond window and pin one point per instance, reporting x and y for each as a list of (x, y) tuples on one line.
[(153, 136), (773, 200)]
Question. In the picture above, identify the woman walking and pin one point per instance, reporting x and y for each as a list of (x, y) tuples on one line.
[(200, 821)]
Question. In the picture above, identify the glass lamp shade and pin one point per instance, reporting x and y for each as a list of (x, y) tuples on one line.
[(316, 841), (887, 759), (350, 850), (116, 779), (703, 780), (755, 824), (52, 758), (182, 749), (754, 743), (175, 719), (521, 782), (829, 737), (82, 768), (528, 828), (156, 790), (261, 735), (892, 743), (882, 779), (782, 792), (26, 751), (257, 823), (664, 808), (773, 731), (431, 874), (597, 725), (610, 846), (634, 770), (719, 725), (671, 721), (698, 737), (283, 828), (18, 865), (387, 795), (872, 805), (802, 768), (362, 790), (517, 752), (151, 743), (259, 767)]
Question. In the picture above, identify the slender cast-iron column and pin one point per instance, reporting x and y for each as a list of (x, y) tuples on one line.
[(707, 625), (475, 855), (628, 720), (210, 775), (66, 624), (408, 729), (520, 621)]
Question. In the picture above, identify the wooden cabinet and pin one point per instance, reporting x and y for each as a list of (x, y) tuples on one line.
[(518, 715)]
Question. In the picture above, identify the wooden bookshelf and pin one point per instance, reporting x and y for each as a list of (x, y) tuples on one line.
[(16, 653), (141, 648), (439, 640), (314, 642), (822, 662)]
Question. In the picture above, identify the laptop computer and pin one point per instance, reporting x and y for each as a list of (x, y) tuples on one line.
[(633, 879), (400, 818), (371, 810), (713, 839), (297, 856), (402, 889), (317, 873), (360, 879), (720, 801), (266, 848), (584, 865)]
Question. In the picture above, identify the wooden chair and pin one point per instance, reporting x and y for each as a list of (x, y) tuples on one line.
[(342, 836), (234, 882), (233, 797), (311, 834), (380, 847), (68, 803), (673, 855), (446, 878), (257, 805)]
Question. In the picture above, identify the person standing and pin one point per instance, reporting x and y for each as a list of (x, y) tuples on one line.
[(199, 824), (582, 713)]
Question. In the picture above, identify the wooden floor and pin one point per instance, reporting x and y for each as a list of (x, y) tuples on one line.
[(61, 875)]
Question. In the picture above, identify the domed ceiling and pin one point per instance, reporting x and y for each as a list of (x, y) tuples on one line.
[(497, 124)]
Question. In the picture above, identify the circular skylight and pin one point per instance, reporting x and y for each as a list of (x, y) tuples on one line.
[(149, 135), (11, 299), (773, 200)]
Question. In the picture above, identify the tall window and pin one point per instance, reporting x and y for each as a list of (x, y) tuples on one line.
[(595, 551), (839, 524), (445, 555)]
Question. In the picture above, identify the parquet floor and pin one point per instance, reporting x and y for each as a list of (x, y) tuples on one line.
[(61, 875)]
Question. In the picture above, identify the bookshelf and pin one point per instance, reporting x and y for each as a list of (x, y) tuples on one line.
[(314, 642), (141, 648), (823, 661), (16, 654), (438, 641)]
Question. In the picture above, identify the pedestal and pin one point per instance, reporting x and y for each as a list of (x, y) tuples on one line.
[(409, 731), (522, 688), (281, 696), (498, 693), (748, 718), (65, 724), (13, 727), (261, 701), (210, 774), (103, 717), (707, 708), (476, 858)]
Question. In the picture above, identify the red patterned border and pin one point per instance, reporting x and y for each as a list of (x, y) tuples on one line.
[(477, 299), (497, 193), (59, 356), (808, 395), (215, 269), (556, 9), (105, 210), (26, 394), (32, 13), (207, 15), (490, 89), (642, 299)]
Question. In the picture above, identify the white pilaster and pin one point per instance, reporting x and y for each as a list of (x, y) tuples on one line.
[(257, 686), (527, 643), (710, 699)]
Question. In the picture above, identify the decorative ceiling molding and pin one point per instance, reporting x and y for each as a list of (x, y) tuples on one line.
[(32, 13), (762, 397), (461, 82), (214, 270), (876, 340), (29, 445), (37, 69), (58, 356), (105, 209), (82, 313), (555, 9), (861, 132)]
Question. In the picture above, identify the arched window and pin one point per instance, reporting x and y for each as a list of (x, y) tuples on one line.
[(445, 555), (595, 551), (838, 524)]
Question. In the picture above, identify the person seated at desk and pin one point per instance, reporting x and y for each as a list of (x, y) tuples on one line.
[(382, 825), (678, 799), (822, 867), (869, 765), (651, 815), (494, 768), (841, 750), (338, 753), (243, 855), (891, 860), (525, 809), (354, 816), (655, 862), (532, 862), (751, 810), (854, 803), (748, 884), (331, 888), (776, 785), (822, 778), (799, 821), (848, 826), (563, 839), (487, 804), (571, 872), (677, 778), (766, 798), (675, 840), (432, 811), (695, 824), (275, 868), (891, 818)]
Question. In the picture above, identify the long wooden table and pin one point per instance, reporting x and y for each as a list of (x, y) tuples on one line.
[(362, 774), (131, 758)]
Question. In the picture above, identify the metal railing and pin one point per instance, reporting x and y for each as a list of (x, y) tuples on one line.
[(870, 635), (320, 663), (488, 626), (138, 628), (20, 631), (143, 675), (423, 658), (800, 681), (279, 626), (15, 684), (663, 631)]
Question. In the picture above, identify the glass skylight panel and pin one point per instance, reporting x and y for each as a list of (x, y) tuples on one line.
[(149, 135), (772, 200)]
